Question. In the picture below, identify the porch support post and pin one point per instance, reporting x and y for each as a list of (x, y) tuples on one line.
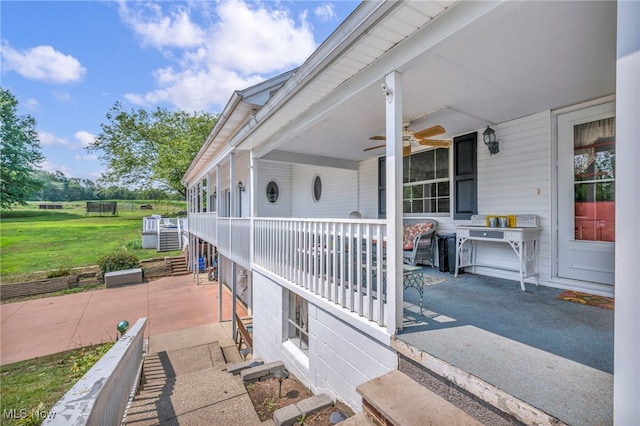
[(218, 202), (234, 278), (232, 186), (253, 195), (196, 194), (626, 379), (196, 258), (234, 213), (393, 92)]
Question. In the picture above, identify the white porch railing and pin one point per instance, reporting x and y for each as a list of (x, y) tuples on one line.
[(234, 239), (154, 224), (101, 395), (203, 225), (149, 224), (333, 258)]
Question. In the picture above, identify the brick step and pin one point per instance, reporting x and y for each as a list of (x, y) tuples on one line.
[(409, 404)]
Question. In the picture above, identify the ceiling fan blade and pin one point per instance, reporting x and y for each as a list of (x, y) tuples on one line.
[(377, 138), (374, 147), (406, 150), (431, 131), (438, 143)]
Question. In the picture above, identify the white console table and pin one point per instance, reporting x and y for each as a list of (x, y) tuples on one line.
[(524, 241)]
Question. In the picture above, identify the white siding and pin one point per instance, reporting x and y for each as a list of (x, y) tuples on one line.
[(368, 188), (226, 276), (340, 357), (517, 181), (339, 192), (242, 174), (281, 174)]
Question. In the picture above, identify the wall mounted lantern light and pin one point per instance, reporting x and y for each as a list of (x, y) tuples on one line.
[(490, 141), (241, 186)]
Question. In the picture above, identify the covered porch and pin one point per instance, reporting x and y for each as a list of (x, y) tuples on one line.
[(529, 71), (530, 353)]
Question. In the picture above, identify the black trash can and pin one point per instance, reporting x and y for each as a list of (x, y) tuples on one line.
[(447, 253)]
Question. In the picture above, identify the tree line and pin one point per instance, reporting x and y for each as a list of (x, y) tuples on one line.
[(58, 187), (145, 154)]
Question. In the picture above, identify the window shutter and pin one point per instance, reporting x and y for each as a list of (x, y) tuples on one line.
[(382, 187), (465, 176)]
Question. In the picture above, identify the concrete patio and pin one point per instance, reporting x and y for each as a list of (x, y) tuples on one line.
[(49, 325), (552, 355)]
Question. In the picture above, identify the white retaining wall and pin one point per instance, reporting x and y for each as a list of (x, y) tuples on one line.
[(340, 357)]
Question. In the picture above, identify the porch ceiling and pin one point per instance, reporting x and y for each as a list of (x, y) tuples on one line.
[(516, 60)]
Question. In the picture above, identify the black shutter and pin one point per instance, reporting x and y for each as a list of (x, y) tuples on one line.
[(465, 176), (382, 187)]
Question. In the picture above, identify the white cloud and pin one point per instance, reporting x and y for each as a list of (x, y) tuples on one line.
[(325, 12), (50, 167), (49, 139), (85, 138), (176, 30), (243, 46), (86, 157), (259, 40), (194, 90), (42, 63)]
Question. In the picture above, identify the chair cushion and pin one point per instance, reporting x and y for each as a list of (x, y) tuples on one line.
[(410, 232)]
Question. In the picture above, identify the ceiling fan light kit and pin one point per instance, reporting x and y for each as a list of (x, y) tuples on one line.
[(420, 138)]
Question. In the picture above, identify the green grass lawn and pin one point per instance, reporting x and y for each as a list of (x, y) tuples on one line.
[(30, 388), (40, 240)]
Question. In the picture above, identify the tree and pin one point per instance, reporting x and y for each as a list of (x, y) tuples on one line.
[(144, 149), (19, 154)]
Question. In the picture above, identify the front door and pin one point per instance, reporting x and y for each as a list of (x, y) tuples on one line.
[(586, 194)]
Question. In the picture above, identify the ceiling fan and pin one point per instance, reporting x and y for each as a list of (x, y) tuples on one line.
[(421, 137)]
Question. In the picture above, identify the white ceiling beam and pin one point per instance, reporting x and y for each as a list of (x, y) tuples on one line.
[(313, 160)]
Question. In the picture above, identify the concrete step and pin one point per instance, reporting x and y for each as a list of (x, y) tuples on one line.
[(230, 351), (409, 404), (476, 397), (178, 265), (360, 419)]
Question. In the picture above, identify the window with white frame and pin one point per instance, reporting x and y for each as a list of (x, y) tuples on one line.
[(425, 180), (298, 321)]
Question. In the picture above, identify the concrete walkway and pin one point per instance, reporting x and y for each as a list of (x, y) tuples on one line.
[(187, 384), (45, 326)]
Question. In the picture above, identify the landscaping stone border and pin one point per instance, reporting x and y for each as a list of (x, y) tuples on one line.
[(153, 268)]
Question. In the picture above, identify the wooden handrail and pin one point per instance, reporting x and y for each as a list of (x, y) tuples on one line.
[(244, 334)]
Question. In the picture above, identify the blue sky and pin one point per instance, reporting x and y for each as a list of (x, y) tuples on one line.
[(68, 62)]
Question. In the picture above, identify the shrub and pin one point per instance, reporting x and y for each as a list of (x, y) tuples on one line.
[(117, 262), (133, 245)]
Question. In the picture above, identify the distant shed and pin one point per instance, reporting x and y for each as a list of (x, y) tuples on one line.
[(102, 208)]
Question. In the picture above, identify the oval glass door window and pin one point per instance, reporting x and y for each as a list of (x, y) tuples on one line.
[(317, 188), (272, 192)]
